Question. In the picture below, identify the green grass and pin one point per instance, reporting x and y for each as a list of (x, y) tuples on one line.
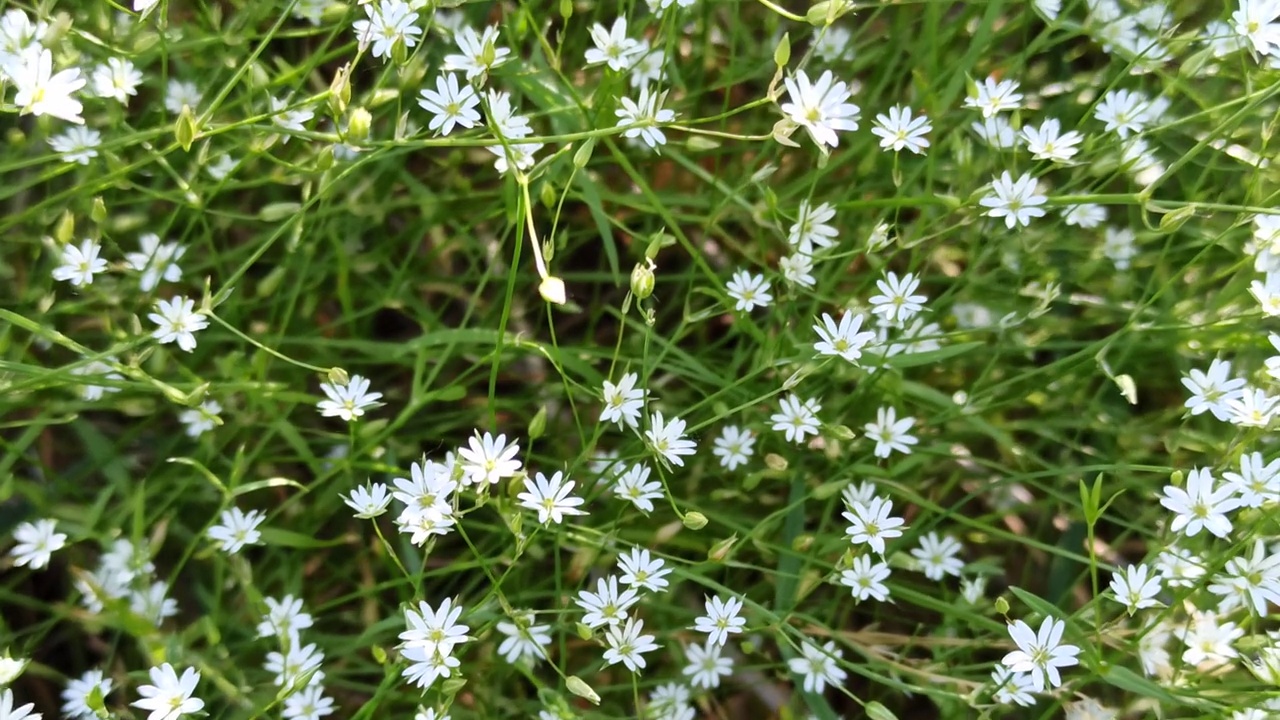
[(412, 263)]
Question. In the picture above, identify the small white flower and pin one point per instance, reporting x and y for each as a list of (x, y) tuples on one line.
[(634, 485), (478, 54), (898, 130), (865, 578), (642, 116), (667, 439), (198, 421), (1040, 654), (1015, 201), (937, 556), (722, 618), (642, 570), (177, 321), (871, 524), (890, 433), (487, 460), (450, 105), (169, 697), (1136, 588), (80, 263), (368, 501), (627, 644), (706, 665), (821, 108), (749, 291), (36, 543), (236, 528), (795, 419), (387, 23), (734, 447), (623, 402), (613, 47), (818, 666), (347, 401), (1048, 142), (995, 96), (77, 144), (812, 228), (156, 261), (897, 302), (1200, 505), (550, 498)]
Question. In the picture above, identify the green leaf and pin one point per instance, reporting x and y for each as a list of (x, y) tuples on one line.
[(288, 538), (247, 488), (1036, 603), (946, 352)]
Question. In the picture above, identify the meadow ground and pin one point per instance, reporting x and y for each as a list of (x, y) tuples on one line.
[(670, 359)]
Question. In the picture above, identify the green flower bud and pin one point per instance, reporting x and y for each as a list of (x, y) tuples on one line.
[(642, 280), (694, 520), (358, 125)]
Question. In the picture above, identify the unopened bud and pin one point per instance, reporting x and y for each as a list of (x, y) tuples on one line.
[(582, 155), (552, 290), (65, 230), (694, 520), (774, 461), (340, 91), (380, 655), (720, 550), (782, 53), (358, 125), (1002, 606), (1171, 222), (580, 688), (642, 280), (538, 425), (842, 432), (583, 631), (338, 376), (184, 130), (98, 213), (802, 543)]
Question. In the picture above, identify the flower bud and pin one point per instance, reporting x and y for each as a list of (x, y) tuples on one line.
[(582, 155), (720, 550), (552, 290), (338, 376), (10, 669), (65, 230), (358, 125), (98, 213), (340, 91), (642, 280), (776, 462), (580, 688), (538, 425), (782, 53), (184, 130), (694, 520), (583, 631)]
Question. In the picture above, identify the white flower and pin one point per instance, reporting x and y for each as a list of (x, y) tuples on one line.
[(937, 556), (846, 339), (425, 668), (1085, 215), (434, 630), (488, 460), (872, 523), (818, 666), (613, 47), (1206, 640), (749, 291), (897, 301), (606, 606), (177, 321), (722, 618), (1212, 390), (169, 697), (368, 502), (1048, 142), (627, 644), (294, 119), (236, 528), (1118, 246), (642, 570), (1267, 293), (80, 263), (797, 269), (77, 144), (831, 42), (41, 92), (151, 603), (821, 108), (300, 661), (996, 132), (198, 421), (634, 485), (75, 697), (667, 439), (1256, 483), (995, 96), (706, 666), (1040, 654), (795, 419), (1254, 408), (648, 66), (1123, 112), (502, 116), (1136, 588), (1255, 22), (98, 370), (642, 116), (866, 579), (478, 53), (387, 23), (179, 93), (309, 703), (550, 498), (623, 402), (1200, 506), (347, 401), (1015, 201), (1180, 568), (523, 639), (518, 155), (1012, 688), (284, 618), (899, 130), (156, 261), (812, 228), (1252, 581), (890, 433), (450, 104), (734, 446), (36, 543)]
